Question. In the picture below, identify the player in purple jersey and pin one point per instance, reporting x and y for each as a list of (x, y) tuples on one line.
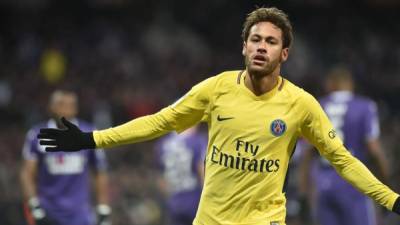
[(56, 185), (181, 162), (356, 122)]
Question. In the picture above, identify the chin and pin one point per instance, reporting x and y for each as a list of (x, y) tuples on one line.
[(258, 71)]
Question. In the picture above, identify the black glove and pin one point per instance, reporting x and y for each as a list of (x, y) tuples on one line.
[(396, 206), (103, 215), (38, 213), (68, 140)]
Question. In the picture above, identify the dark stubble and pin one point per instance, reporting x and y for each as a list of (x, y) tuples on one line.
[(266, 70)]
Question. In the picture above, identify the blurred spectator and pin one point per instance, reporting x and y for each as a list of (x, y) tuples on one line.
[(355, 119), (55, 185), (181, 163)]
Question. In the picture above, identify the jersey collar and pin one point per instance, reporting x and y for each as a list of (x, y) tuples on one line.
[(241, 77)]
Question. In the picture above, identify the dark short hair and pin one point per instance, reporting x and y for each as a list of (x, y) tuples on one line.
[(273, 15)]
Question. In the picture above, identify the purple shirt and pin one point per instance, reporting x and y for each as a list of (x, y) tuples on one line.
[(63, 178), (178, 158), (355, 120)]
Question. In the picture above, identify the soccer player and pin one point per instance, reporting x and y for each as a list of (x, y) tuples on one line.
[(356, 122), (56, 184), (254, 118), (181, 162)]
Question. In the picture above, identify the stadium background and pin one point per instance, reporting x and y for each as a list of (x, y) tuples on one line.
[(128, 58)]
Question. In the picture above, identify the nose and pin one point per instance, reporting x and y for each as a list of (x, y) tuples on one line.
[(262, 47)]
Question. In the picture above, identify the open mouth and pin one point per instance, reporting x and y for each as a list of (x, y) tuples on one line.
[(259, 59)]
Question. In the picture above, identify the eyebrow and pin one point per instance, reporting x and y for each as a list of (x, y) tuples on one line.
[(267, 37)]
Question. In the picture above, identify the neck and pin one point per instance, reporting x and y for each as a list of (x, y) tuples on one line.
[(260, 85)]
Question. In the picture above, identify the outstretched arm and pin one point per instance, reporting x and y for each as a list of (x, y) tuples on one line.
[(356, 173), (186, 112), (317, 128)]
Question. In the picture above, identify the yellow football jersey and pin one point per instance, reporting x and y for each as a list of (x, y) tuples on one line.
[(251, 141)]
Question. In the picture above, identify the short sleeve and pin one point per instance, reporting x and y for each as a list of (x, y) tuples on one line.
[(30, 149)]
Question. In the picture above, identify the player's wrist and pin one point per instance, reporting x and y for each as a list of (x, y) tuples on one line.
[(87, 141), (396, 206)]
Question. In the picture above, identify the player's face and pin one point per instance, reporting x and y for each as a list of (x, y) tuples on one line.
[(65, 106), (263, 50)]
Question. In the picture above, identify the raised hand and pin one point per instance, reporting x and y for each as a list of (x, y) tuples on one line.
[(67, 140)]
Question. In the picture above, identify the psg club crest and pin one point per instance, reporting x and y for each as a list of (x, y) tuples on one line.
[(278, 127)]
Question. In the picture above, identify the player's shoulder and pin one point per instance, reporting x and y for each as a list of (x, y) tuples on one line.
[(294, 92), (301, 100), (222, 82), (229, 74), (365, 103), (228, 77), (363, 99), (288, 86)]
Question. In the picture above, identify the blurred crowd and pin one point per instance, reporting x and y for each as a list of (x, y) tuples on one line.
[(131, 58)]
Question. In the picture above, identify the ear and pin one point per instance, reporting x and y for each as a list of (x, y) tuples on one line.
[(244, 48), (284, 54)]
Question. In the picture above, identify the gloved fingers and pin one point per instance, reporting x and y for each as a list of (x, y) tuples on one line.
[(49, 132), (48, 142), (53, 149)]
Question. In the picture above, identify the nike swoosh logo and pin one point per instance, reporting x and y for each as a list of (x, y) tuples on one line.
[(219, 118)]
